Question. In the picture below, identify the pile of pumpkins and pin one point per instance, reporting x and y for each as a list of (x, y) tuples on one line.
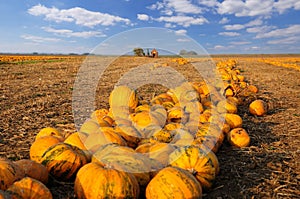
[(160, 149)]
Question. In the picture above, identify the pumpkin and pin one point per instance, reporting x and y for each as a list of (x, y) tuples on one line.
[(172, 126), (207, 141), (158, 151), (161, 152), (234, 120), (168, 105), (95, 181), (238, 137), (177, 115), (234, 100), (252, 89), (141, 119), (77, 139), (184, 93), (63, 160), (9, 173), (137, 164), (226, 106), (130, 134), (33, 169), (182, 138), (158, 114), (29, 188), (194, 107), (102, 136), (141, 108), (173, 182), (49, 131), (111, 149), (127, 159), (38, 147), (123, 96), (258, 107), (89, 126), (196, 161), (105, 121), (161, 98), (163, 136)]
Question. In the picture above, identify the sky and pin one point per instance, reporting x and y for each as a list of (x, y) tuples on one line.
[(116, 26)]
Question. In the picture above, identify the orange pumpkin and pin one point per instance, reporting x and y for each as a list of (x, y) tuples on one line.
[(234, 120), (38, 147), (130, 134), (238, 137), (95, 181), (258, 107), (49, 131), (89, 126), (9, 173), (226, 106), (29, 188), (173, 182), (102, 136), (123, 96), (34, 170), (196, 161), (63, 160)]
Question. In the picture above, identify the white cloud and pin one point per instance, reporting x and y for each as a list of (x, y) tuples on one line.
[(169, 7), (288, 40), (246, 8), (234, 27), (184, 21), (183, 6), (143, 17), (183, 40), (255, 22), (209, 3), (282, 5), (169, 25), (229, 34), (224, 20), (260, 29), (292, 30), (157, 6), (219, 47), (38, 39), (70, 33), (78, 15), (242, 8), (180, 32)]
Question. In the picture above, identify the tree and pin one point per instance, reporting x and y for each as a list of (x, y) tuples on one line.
[(184, 52), (139, 52)]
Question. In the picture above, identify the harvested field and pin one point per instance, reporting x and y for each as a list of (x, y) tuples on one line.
[(39, 94)]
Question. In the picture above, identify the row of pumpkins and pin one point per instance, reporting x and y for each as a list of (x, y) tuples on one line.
[(165, 148)]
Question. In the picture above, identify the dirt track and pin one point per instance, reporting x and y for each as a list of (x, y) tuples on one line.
[(36, 95)]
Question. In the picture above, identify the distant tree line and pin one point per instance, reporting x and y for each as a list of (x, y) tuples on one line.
[(185, 52)]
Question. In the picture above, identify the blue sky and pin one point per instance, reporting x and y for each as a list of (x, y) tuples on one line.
[(79, 26)]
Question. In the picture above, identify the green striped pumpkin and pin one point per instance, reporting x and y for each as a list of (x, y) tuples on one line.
[(64, 160), (94, 181), (197, 161), (173, 182)]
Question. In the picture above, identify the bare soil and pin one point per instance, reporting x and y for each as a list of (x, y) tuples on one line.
[(37, 95)]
